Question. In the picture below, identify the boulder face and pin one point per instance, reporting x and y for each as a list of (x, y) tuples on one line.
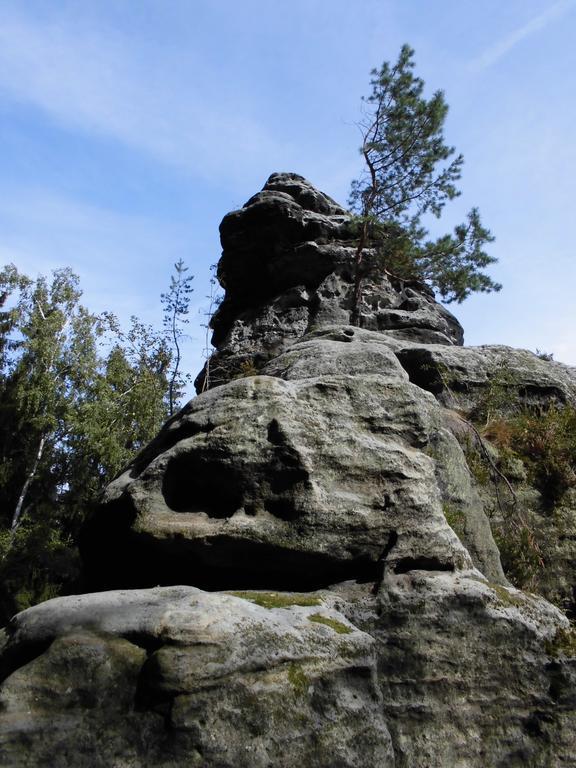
[(176, 676), (274, 483), (305, 565)]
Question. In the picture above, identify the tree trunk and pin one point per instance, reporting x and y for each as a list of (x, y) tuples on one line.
[(18, 510), (176, 364), (355, 318)]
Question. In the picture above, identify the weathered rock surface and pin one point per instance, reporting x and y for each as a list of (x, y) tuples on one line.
[(496, 382), (273, 483), (461, 377), (176, 676), (337, 461), (287, 267), (437, 669), (463, 675)]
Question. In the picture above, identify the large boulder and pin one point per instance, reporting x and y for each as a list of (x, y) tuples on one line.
[(326, 474), (435, 669), (474, 674), (176, 676)]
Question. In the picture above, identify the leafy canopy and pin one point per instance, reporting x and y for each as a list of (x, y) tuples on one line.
[(79, 396), (409, 172)]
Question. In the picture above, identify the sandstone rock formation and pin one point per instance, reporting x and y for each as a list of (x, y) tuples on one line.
[(176, 676), (287, 267), (319, 490)]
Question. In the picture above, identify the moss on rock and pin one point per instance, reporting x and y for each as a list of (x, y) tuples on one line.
[(298, 679), (505, 596), (563, 643), (337, 626), (277, 600)]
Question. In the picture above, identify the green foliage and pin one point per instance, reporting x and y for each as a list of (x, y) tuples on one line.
[(546, 442), (520, 548), (298, 679), (277, 600), (176, 305), (563, 643), (409, 172), (455, 518), (78, 396), (409, 166), (452, 264), (247, 368), (534, 445), (337, 626), (37, 563), (497, 396), (506, 596), (477, 463)]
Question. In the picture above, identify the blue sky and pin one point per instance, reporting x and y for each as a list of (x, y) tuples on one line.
[(128, 129)]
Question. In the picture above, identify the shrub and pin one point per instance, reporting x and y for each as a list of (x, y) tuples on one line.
[(520, 552), (546, 442)]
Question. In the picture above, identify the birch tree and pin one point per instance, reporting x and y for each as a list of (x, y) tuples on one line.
[(79, 396)]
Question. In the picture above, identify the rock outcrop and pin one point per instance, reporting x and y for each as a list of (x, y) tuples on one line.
[(287, 267), (302, 563)]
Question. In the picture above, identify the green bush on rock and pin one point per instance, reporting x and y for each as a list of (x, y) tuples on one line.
[(528, 469)]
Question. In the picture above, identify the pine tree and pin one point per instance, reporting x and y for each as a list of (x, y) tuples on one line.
[(410, 172)]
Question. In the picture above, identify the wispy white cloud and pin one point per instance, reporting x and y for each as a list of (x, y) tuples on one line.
[(102, 82), (40, 231), (495, 52)]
